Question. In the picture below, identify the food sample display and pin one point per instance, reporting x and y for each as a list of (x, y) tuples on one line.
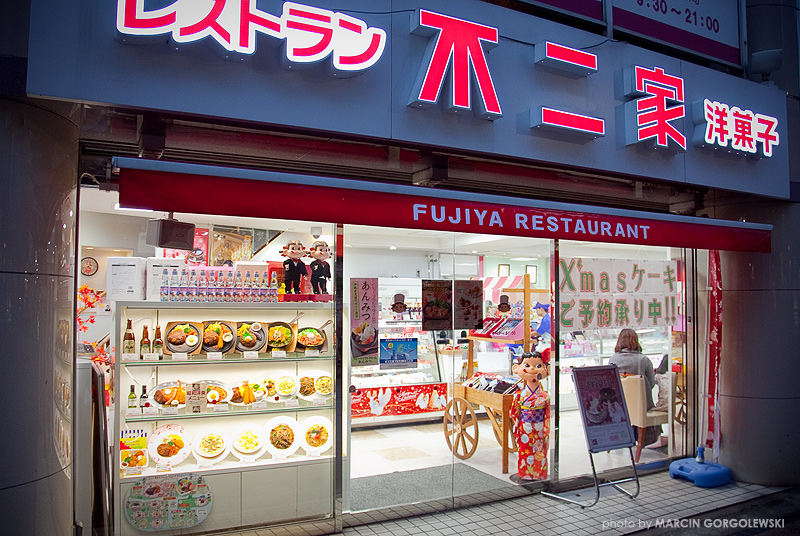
[(316, 435), (211, 402)]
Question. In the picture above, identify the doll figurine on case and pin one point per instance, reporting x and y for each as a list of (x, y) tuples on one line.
[(320, 269), (293, 267), (530, 412)]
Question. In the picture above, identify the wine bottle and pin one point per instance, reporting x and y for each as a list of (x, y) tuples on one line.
[(128, 340), (133, 401), (144, 400)]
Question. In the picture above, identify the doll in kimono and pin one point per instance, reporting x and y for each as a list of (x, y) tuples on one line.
[(530, 412)]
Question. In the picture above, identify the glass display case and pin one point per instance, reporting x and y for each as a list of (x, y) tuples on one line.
[(232, 411), (595, 347)]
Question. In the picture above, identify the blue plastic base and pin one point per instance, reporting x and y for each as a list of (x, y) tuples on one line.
[(704, 475)]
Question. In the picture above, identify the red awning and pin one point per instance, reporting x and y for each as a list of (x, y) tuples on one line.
[(202, 189)]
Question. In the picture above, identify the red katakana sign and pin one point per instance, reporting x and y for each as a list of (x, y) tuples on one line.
[(311, 34)]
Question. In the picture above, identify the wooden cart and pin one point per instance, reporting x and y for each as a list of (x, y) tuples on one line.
[(460, 419)]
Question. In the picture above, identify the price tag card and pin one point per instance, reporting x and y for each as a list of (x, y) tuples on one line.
[(203, 463), (130, 357), (169, 410), (260, 404), (248, 459), (163, 468), (320, 402), (279, 456), (221, 407), (150, 410), (214, 356), (130, 471), (250, 354), (150, 357), (293, 403), (180, 356), (312, 353), (133, 412), (279, 353)]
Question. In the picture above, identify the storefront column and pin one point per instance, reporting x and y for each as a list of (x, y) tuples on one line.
[(38, 163), (759, 368)]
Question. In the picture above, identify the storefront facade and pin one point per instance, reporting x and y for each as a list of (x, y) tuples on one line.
[(467, 122)]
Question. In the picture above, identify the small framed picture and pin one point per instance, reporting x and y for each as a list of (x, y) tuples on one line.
[(503, 270), (531, 270)]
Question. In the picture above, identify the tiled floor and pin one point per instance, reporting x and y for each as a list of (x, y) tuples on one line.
[(662, 500), (385, 450)]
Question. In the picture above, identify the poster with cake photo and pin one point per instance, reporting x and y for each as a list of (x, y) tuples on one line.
[(603, 409)]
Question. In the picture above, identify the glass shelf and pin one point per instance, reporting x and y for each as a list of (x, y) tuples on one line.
[(230, 413)]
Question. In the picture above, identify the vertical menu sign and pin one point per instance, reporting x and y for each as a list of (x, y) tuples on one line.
[(364, 321)]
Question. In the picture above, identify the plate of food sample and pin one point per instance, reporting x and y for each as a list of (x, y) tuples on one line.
[(211, 446), (250, 337), (314, 385), (248, 441), (169, 394), (170, 444), (247, 393), (283, 385), (217, 391), (218, 336), (183, 338), (316, 435), (282, 437)]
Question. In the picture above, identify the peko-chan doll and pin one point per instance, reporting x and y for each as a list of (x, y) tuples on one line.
[(320, 269), (531, 414), (293, 267)]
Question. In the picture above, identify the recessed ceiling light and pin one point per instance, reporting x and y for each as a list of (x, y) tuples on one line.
[(393, 248), (523, 259)]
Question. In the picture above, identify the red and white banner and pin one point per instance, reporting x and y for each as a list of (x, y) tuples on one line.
[(398, 400), (714, 351), (370, 206)]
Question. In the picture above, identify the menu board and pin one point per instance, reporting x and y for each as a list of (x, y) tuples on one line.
[(437, 304), (603, 409), (167, 502), (364, 321), (467, 304)]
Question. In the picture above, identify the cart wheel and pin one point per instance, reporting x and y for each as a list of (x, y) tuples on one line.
[(461, 428)]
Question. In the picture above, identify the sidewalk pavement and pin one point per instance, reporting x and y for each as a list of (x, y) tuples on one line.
[(665, 506)]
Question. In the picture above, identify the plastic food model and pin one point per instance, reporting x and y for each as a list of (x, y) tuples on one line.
[(531, 414), (293, 267), (320, 269)]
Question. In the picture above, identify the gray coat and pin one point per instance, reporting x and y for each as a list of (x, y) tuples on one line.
[(632, 362)]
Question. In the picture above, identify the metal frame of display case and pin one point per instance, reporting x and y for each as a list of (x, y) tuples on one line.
[(247, 471)]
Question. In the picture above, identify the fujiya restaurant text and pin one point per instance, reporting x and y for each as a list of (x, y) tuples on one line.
[(516, 220)]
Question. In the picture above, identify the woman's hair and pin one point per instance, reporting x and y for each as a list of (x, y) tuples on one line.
[(628, 340)]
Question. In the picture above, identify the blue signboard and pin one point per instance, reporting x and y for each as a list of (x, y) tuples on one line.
[(398, 353)]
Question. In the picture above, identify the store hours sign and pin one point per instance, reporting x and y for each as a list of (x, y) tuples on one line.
[(617, 293)]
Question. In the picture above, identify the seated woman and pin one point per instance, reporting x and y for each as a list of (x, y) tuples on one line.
[(629, 359)]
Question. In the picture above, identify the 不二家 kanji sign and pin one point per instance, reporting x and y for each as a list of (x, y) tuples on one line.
[(469, 77), (617, 293)]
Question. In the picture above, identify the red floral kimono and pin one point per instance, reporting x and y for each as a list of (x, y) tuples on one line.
[(531, 414)]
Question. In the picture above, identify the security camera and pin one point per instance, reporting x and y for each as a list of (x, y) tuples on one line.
[(316, 232)]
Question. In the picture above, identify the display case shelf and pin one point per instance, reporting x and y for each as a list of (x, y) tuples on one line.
[(237, 412), (225, 361)]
